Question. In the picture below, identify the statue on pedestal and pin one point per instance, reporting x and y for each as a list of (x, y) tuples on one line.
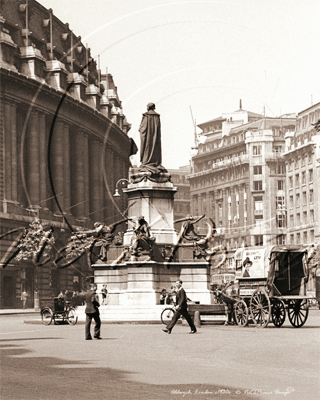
[(150, 148)]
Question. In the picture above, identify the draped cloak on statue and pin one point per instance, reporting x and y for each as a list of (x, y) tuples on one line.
[(150, 136)]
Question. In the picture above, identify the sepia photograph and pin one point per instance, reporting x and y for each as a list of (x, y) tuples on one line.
[(159, 199)]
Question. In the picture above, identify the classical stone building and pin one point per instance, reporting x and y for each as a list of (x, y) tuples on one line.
[(238, 178), (302, 158), (61, 126)]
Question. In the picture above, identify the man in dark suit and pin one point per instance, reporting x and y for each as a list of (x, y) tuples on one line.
[(92, 311), (181, 301)]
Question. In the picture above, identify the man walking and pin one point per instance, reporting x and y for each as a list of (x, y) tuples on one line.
[(92, 311), (181, 310)]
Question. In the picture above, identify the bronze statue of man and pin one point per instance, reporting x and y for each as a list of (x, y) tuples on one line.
[(150, 140)]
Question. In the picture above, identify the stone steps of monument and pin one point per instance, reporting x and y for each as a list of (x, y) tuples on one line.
[(126, 313), (150, 314)]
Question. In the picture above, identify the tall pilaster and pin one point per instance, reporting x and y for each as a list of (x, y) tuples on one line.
[(43, 138), (110, 182), (33, 160), (81, 178), (95, 174), (10, 153), (67, 168), (57, 158)]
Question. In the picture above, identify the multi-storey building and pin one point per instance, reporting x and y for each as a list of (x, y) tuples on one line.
[(302, 158), (53, 97), (182, 197), (238, 178)]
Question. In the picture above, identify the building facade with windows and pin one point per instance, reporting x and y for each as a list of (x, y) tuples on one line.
[(302, 158), (239, 176), (182, 197), (53, 94)]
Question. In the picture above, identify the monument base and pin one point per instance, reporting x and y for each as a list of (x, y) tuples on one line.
[(136, 283)]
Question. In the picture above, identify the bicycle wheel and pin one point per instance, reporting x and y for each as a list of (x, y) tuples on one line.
[(46, 316), (72, 316), (167, 315)]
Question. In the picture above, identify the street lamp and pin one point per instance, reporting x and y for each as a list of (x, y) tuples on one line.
[(116, 192)]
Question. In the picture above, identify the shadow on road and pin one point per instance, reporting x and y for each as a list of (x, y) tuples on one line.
[(51, 378)]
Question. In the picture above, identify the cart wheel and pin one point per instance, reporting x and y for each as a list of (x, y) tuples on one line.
[(260, 308), (72, 316), (166, 315), (278, 312), (241, 313), (46, 316), (298, 311)]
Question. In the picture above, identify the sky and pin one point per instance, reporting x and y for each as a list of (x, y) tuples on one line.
[(196, 59)]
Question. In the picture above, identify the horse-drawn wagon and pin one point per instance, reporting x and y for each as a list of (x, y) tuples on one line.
[(269, 281)]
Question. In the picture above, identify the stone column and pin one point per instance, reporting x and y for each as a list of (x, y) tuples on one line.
[(7, 152), (67, 168), (95, 174), (14, 155), (57, 165), (110, 182), (79, 175), (43, 137), (33, 159)]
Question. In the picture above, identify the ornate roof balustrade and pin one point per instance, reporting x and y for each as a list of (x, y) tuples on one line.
[(243, 159)]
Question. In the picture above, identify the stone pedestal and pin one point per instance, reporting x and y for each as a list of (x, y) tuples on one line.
[(154, 201), (140, 283)]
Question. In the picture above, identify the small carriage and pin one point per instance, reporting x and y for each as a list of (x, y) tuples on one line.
[(270, 280), (58, 310)]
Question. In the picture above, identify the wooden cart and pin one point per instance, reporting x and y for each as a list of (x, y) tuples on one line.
[(274, 281)]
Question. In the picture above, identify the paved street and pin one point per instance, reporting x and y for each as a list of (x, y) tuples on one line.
[(136, 361)]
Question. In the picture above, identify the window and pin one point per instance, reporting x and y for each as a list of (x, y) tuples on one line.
[(280, 185), (257, 185), (257, 150), (280, 202), (297, 200), (297, 182), (304, 217), (312, 236), (290, 182), (281, 221), (311, 196), (291, 239), (281, 239), (277, 149), (258, 203), (258, 219), (281, 169), (305, 237), (258, 240), (291, 220), (298, 219), (291, 201), (310, 175), (298, 239), (304, 198), (311, 216), (304, 178), (257, 170)]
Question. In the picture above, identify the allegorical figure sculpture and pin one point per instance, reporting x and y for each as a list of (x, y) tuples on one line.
[(150, 141)]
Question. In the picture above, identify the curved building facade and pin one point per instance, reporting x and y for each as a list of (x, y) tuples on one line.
[(64, 144)]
